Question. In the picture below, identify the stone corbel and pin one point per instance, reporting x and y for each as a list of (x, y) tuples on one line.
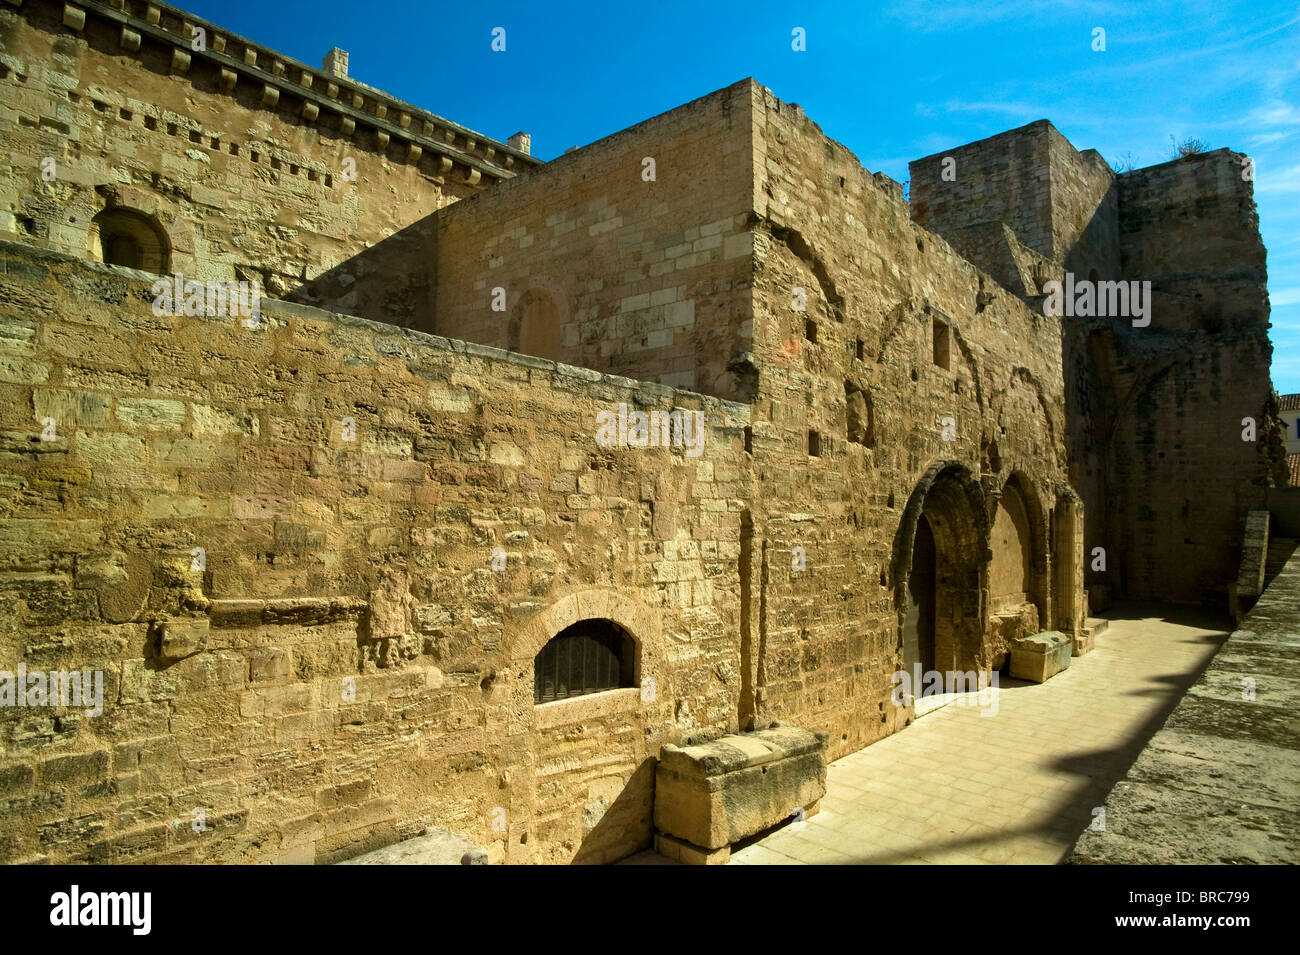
[(270, 95), (74, 18), (309, 110), (180, 61), (228, 79), (347, 126), (130, 40)]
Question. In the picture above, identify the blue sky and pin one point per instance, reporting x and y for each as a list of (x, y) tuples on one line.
[(892, 81)]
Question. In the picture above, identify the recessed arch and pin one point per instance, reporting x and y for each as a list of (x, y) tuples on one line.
[(1018, 571), (126, 237), (535, 326), (946, 514), (589, 656)]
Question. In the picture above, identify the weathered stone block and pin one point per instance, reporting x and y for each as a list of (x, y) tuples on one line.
[(713, 794), (1041, 656), (182, 637)]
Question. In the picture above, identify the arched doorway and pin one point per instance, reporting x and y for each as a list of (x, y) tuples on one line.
[(940, 563), (918, 622)]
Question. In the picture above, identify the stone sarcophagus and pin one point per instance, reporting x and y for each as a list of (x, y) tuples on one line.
[(711, 795), (1041, 656)]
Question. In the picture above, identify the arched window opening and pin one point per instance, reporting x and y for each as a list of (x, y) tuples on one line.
[(589, 656), (124, 237)]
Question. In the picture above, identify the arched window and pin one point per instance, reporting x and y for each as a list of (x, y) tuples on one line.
[(586, 657), (124, 237)]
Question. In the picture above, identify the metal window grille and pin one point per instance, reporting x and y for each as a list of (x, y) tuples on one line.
[(587, 657)]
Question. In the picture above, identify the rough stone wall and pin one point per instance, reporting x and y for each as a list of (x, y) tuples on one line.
[(646, 278), (1085, 233), (1004, 178), (1154, 415), (1181, 478), (325, 559), (237, 152), (877, 285), (1056, 200)]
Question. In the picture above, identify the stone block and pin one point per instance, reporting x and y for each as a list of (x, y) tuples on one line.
[(181, 637), (713, 794), (1041, 656)]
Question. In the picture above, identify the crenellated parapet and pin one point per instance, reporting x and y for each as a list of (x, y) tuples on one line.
[(332, 103)]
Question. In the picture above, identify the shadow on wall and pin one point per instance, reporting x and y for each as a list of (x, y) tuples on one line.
[(624, 828), (392, 281)]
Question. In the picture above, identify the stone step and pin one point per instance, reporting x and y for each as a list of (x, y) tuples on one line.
[(1095, 625)]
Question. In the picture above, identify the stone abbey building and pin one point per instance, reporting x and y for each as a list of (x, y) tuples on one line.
[(349, 564)]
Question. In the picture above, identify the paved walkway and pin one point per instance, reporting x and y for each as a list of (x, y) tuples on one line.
[(1016, 787)]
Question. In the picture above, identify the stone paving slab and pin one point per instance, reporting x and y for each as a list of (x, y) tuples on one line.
[(1016, 787)]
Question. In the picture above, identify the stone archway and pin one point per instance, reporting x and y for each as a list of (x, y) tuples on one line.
[(121, 236), (940, 564), (1019, 577), (643, 624), (1019, 509)]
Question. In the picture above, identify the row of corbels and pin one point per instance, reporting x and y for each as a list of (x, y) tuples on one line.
[(400, 122)]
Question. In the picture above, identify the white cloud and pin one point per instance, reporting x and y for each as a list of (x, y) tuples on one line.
[(1284, 180)]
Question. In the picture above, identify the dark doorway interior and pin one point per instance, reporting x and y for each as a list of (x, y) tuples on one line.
[(918, 625)]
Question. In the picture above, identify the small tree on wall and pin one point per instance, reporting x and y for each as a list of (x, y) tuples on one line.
[(1188, 147)]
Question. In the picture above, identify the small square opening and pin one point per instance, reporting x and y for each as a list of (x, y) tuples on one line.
[(814, 444), (810, 330)]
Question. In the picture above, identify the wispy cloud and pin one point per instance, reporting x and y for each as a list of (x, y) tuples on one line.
[(933, 16), (1284, 180), (998, 107)]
